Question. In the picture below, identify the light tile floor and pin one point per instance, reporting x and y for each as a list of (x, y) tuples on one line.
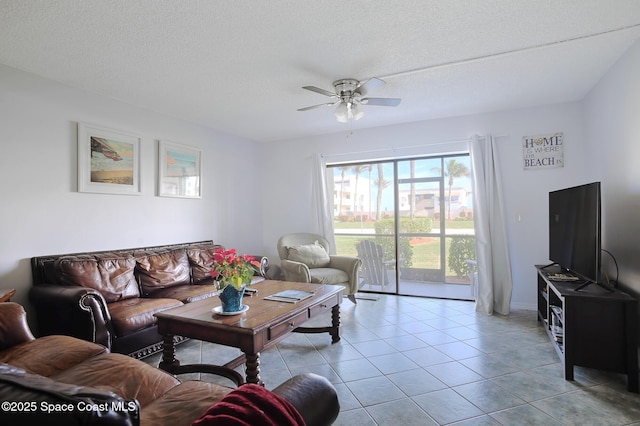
[(418, 361)]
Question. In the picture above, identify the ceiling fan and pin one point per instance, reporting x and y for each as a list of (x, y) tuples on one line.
[(349, 94)]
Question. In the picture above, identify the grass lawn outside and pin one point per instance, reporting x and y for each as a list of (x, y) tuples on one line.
[(426, 252)]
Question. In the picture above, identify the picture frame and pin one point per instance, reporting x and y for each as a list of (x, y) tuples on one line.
[(179, 170), (108, 161)]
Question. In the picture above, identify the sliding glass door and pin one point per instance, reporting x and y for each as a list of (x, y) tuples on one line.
[(365, 220), (411, 223)]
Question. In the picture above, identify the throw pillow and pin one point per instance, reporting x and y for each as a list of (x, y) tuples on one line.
[(312, 255)]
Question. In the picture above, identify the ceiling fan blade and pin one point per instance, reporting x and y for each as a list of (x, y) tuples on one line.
[(319, 90), (370, 85), (381, 101), (318, 106)]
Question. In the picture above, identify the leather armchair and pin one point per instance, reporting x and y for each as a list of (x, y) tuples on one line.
[(304, 257), (65, 370)]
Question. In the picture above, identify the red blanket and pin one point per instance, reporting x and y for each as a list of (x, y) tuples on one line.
[(251, 405)]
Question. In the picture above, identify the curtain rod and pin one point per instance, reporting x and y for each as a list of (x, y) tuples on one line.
[(404, 147)]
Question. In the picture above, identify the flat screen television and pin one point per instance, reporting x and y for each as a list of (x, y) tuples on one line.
[(574, 230)]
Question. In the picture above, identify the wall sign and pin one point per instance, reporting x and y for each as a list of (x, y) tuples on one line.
[(543, 151)]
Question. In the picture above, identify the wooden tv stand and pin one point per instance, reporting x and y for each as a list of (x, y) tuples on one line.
[(593, 327)]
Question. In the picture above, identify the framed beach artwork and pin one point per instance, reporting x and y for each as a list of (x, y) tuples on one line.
[(108, 161), (179, 171)]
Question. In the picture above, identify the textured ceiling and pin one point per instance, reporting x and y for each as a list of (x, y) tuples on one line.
[(238, 66)]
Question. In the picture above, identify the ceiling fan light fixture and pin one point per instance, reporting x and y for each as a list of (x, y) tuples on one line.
[(348, 111), (356, 112), (342, 113)]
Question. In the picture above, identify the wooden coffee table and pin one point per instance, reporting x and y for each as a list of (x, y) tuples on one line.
[(264, 324)]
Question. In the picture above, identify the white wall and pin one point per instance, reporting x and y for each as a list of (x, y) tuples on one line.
[(288, 176), (612, 112), (42, 212)]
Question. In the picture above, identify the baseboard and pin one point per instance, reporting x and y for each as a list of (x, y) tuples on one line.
[(524, 306)]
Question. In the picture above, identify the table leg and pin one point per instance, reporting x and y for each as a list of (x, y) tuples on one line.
[(253, 368), (169, 362), (335, 324)]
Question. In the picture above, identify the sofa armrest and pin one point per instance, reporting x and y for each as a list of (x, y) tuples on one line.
[(36, 396), (267, 270), (264, 264), (295, 271), (73, 311), (14, 328), (349, 264), (314, 397)]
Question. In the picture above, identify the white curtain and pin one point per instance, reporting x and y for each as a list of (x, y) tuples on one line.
[(492, 251), (320, 202)]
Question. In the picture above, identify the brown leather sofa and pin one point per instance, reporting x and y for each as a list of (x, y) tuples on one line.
[(110, 297), (62, 380)]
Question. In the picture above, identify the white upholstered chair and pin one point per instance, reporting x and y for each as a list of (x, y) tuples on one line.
[(305, 257)]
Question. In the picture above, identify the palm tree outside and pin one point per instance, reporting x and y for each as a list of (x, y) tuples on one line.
[(381, 183), (452, 170), (342, 173), (358, 169)]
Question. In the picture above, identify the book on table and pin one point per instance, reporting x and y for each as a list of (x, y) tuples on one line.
[(290, 296)]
